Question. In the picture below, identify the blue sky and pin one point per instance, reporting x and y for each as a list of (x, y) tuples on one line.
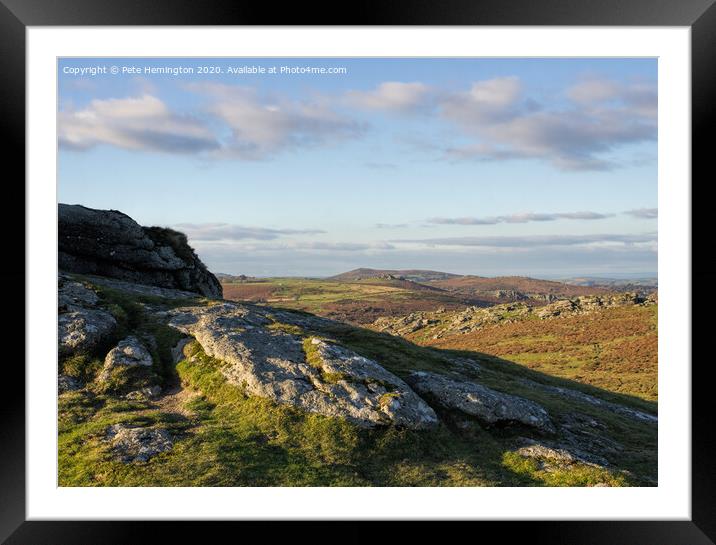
[(538, 167)]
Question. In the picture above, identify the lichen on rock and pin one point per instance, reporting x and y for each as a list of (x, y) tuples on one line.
[(485, 404), (83, 330), (66, 383), (128, 366), (272, 363), (136, 444)]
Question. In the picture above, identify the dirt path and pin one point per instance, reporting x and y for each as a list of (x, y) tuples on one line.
[(173, 400)]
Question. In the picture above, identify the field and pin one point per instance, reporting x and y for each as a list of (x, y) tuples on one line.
[(615, 349), (359, 302)]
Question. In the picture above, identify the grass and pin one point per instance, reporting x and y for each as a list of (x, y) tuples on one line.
[(401, 357), (232, 439), (285, 328), (236, 440), (224, 437), (81, 366), (174, 239), (313, 356), (356, 302), (133, 318), (615, 349), (581, 475)]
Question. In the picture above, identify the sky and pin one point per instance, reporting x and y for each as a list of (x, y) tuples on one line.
[(311, 167)]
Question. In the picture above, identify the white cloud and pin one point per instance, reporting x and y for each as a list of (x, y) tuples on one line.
[(495, 117), (526, 217), (640, 98), (140, 123), (593, 90), (644, 213), (340, 246), (287, 247), (261, 126), (391, 96), (486, 101), (535, 241), (601, 117), (257, 126), (199, 232), (380, 165), (574, 260), (391, 225)]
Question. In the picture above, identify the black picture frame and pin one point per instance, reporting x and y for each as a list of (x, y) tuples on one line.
[(16, 15)]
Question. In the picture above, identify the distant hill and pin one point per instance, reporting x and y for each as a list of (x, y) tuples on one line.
[(228, 278), (514, 288), (478, 290), (618, 284), (414, 275)]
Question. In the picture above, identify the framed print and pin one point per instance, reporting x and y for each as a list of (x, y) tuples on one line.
[(426, 264)]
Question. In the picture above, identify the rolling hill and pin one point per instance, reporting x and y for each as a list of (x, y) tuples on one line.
[(414, 275), (502, 289)]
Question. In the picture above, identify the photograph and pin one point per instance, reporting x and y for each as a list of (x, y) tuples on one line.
[(357, 272)]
